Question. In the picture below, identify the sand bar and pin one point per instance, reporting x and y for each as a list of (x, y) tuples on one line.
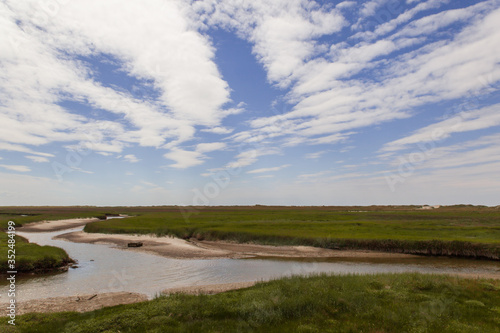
[(48, 226), (193, 249)]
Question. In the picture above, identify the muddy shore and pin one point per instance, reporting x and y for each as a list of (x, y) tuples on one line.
[(78, 303)]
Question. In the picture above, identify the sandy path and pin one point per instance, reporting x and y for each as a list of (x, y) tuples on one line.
[(79, 303), (47, 226), (181, 249)]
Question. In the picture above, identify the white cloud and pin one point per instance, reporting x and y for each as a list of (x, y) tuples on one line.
[(244, 159), (218, 130), (131, 158), (20, 148), (480, 151), (282, 31), (166, 49), (184, 158), (432, 23), (369, 8), (37, 76), (462, 122), (332, 85), (249, 157), (37, 159), (18, 168), (264, 177), (211, 146), (329, 100), (264, 170), (81, 170), (467, 170), (180, 63), (470, 167), (387, 27), (346, 4), (315, 155)]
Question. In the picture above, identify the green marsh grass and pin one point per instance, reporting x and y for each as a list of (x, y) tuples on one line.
[(32, 257), (389, 303), (473, 233)]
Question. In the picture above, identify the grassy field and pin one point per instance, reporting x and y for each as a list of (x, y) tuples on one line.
[(463, 231), (379, 303)]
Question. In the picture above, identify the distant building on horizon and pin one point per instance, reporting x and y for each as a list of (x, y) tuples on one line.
[(430, 207)]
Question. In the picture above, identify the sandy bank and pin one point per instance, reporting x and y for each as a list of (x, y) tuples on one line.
[(182, 249), (78, 303), (90, 302), (208, 289), (164, 246), (47, 226)]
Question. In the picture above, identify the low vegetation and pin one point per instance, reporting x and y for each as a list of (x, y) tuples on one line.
[(462, 231), (396, 303), (33, 257), (24, 215)]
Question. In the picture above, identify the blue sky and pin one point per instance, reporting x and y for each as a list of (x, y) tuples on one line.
[(288, 102)]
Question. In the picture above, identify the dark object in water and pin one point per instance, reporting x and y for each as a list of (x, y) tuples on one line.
[(138, 244)]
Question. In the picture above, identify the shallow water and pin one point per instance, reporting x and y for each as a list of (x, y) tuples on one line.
[(103, 268)]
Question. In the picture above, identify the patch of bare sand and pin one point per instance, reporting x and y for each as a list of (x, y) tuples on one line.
[(78, 303), (178, 248), (47, 226), (476, 276), (208, 289), (257, 250)]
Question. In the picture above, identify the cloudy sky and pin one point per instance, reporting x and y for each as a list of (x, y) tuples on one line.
[(290, 102)]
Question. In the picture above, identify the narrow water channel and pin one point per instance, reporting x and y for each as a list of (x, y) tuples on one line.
[(103, 268)]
